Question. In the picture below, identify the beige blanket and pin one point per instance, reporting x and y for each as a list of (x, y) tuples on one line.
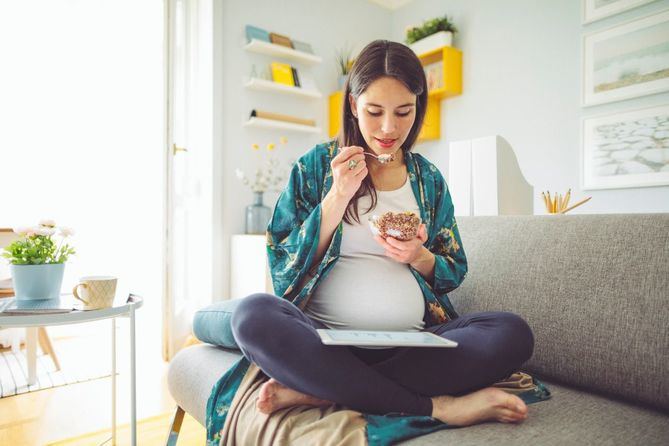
[(306, 425), (297, 425)]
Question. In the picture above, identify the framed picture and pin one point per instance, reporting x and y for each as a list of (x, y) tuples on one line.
[(629, 149), (626, 61), (598, 9)]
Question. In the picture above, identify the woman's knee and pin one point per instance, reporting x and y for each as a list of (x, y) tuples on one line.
[(249, 318), (519, 335)]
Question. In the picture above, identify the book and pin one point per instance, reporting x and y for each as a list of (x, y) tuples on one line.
[(253, 32), (280, 40), (296, 79), (284, 118), (302, 46), (282, 73), (13, 306)]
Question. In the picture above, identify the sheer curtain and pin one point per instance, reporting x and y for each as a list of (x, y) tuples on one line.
[(81, 135)]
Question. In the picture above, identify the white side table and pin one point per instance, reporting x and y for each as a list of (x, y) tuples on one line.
[(127, 309)]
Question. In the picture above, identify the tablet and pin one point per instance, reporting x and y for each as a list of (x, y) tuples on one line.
[(363, 338)]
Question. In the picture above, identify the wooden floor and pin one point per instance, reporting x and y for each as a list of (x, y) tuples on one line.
[(37, 418)]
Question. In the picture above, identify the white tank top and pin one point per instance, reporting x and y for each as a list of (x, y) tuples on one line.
[(365, 290)]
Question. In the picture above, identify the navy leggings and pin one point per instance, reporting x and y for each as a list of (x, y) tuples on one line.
[(282, 341)]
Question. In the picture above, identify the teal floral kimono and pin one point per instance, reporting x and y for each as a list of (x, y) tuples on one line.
[(292, 240)]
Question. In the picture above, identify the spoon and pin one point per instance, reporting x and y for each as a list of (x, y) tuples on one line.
[(384, 158)]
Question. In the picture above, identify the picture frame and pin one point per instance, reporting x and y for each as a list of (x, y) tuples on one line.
[(626, 61), (593, 10), (626, 149)]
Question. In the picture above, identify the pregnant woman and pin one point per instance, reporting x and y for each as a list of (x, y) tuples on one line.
[(329, 271)]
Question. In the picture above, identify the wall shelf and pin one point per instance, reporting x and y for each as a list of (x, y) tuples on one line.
[(451, 73), (272, 49), (335, 108), (264, 85), (450, 85), (274, 124)]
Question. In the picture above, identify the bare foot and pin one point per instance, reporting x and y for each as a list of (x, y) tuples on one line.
[(483, 405), (275, 396)]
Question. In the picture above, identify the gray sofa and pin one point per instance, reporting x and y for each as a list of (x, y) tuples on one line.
[(595, 290)]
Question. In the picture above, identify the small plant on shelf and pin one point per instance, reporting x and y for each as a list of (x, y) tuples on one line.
[(344, 61), (429, 27)]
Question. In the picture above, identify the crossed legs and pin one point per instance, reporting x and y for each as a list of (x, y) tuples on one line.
[(279, 338)]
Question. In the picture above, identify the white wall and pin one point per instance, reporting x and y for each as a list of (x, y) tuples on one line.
[(327, 26), (522, 80)]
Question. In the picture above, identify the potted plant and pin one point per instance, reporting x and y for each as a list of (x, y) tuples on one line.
[(271, 178), (432, 34), (37, 262), (344, 63)]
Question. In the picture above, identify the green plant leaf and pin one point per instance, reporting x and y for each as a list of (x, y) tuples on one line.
[(430, 27)]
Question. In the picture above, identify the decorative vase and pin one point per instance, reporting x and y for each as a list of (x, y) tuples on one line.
[(432, 42), (37, 282), (257, 215), (341, 81)]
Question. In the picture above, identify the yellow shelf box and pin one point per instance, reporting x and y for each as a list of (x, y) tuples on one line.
[(431, 129), (443, 68), (335, 104)]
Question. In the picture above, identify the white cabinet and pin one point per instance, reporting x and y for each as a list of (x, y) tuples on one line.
[(249, 270), (484, 178)]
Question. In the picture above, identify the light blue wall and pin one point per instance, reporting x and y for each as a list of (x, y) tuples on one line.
[(522, 80)]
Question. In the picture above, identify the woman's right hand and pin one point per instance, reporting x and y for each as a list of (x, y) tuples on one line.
[(345, 181)]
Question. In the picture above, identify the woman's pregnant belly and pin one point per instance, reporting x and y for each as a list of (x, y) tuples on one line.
[(368, 292)]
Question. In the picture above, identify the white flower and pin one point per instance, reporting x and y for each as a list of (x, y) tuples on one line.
[(66, 232), (47, 223), (23, 230), (44, 230), (239, 174)]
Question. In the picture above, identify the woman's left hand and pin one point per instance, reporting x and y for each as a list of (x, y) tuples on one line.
[(410, 251)]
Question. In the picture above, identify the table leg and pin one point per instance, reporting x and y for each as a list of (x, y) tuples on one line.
[(133, 395), (31, 353), (113, 381)]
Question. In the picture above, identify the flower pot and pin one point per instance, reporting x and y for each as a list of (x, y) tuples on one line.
[(432, 42), (36, 282), (257, 215), (341, 81)]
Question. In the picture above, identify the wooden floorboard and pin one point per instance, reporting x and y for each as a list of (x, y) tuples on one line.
[(66, 411)]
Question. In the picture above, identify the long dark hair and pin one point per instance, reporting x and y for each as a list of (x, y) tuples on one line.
[(378, 59)]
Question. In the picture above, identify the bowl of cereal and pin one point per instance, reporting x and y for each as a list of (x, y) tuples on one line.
[(400, 225)]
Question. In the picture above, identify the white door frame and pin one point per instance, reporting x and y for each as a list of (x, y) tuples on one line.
[(188, 230)]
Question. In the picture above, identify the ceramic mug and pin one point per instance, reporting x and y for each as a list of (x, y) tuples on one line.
[(96, 291)]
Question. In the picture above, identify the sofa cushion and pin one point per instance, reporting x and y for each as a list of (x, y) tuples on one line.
[(211, 324), (592, 287), (569, 417), (194, 371)]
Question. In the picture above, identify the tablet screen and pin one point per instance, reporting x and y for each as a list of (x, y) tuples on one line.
[(387, 338)]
